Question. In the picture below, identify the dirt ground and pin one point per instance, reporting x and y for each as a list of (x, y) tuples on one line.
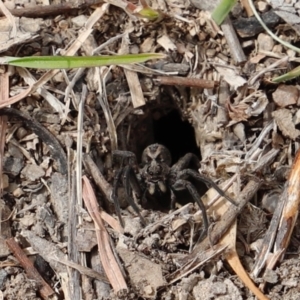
[(213, 95)]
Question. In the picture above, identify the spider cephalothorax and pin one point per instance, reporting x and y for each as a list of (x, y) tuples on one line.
[(156, 177), (156, 162)]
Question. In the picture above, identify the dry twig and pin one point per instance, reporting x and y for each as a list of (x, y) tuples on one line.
[(45, 290), (108, 260)]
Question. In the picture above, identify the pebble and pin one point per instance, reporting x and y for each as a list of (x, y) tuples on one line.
[(79, 21), (33, 172), (13, 165), (262, 6), (3, 277), (18, 192), (286, 95), (265, 42)]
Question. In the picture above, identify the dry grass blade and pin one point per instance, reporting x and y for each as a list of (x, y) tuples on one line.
[(235, 263), (4, 87), (97, 176), (137, 96), (45, 290), (10, 18), (102, 97), (290, 209), (108, 260), (233, 260), (112, 222), (269, 238), (282, 223), (199, 261), (98, 13), (225, 223), (49, 97)]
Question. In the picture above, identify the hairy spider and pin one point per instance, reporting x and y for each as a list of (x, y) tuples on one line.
[(157, 179)]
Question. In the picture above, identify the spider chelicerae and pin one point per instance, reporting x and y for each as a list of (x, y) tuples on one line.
[(156, 180)]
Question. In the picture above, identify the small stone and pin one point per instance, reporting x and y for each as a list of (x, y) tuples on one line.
[(284, 121), (262, 6), (270, 276), (3, 277), (148, 290), (21, 132), (43, 117), (18, 192), (33, 172), (14, 151), (270, 201), (291, 53), (265, 42), (219, 288), (28, 220), (285, 95), (79, 21), (63, 24), (277, 49), (210, 53), (30, 24), (13, 165)]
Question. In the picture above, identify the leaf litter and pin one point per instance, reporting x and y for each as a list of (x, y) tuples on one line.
[(245, 127)]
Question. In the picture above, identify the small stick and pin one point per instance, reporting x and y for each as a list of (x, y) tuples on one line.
[(50, 10), (187, 81), (224, 224), (247, 7), (45, 290), (99, 179), (109, 263), (233, 42), (137, 96), (269, 238)]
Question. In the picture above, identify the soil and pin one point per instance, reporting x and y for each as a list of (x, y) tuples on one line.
[(212, 95)]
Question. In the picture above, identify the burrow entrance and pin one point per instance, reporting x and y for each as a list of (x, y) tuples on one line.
[(164, 126), (177, 135)]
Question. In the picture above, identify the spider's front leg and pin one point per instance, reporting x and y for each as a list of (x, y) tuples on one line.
[(182, 170), (126, 161), (181, 184)]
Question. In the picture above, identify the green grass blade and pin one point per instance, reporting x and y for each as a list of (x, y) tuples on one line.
[(68, 62), (149, 13), (222, 10), (288, 76)]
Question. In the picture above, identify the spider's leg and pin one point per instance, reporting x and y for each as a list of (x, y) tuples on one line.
[(179, 185), (206, 180), (121, 155), (173, 198), (115, 197), (185, 162), (129, 179)]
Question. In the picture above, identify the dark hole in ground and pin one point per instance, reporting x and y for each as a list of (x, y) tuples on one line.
[(164, 125), (177, 135)]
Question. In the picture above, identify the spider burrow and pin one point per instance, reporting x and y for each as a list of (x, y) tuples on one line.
[(157, 178)]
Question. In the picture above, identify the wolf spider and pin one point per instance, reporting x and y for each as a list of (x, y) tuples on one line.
[(157, 177)]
